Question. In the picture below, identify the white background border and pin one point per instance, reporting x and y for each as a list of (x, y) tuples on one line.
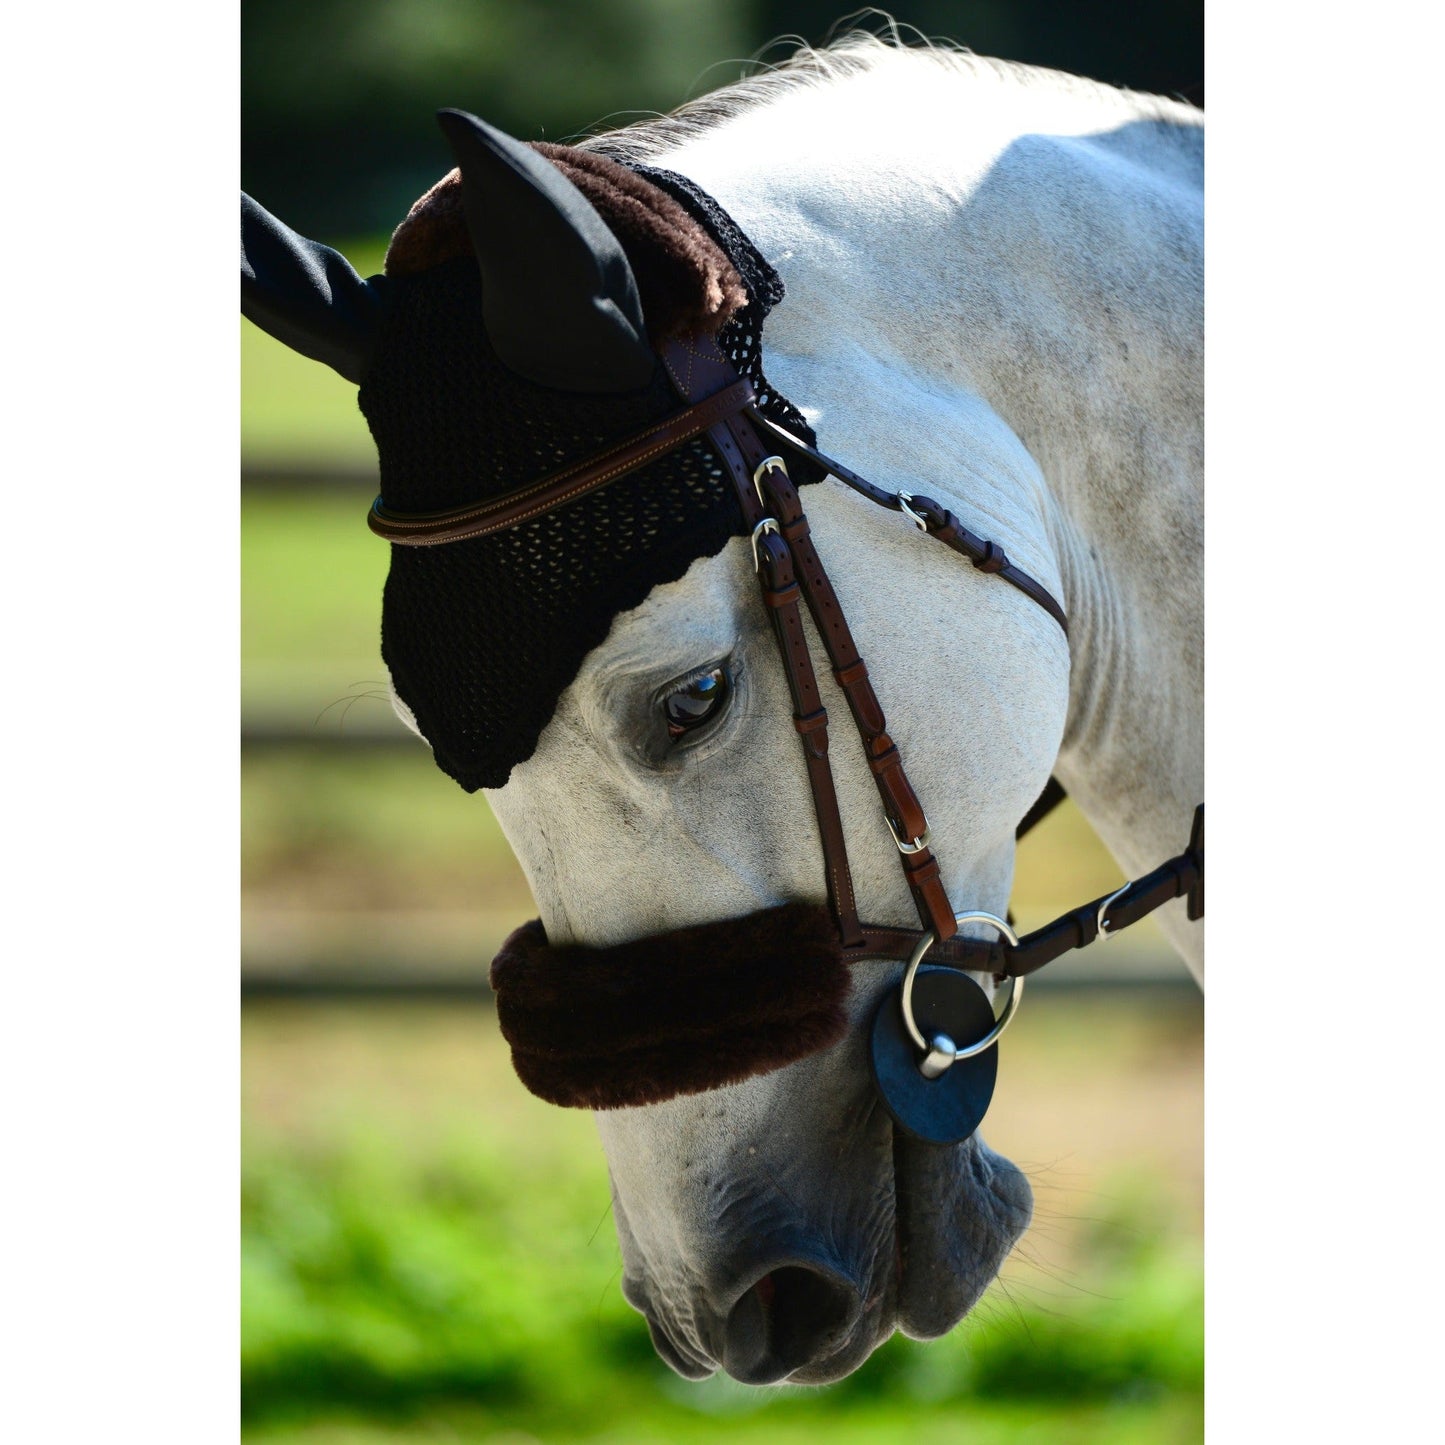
[(119, 1023)]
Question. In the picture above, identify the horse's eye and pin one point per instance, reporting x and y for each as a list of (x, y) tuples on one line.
[(698, 700)]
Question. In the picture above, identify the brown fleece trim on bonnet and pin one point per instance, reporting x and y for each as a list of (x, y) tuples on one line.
[(674, 1013), (684, 279)]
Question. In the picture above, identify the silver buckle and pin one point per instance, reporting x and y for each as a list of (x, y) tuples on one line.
[(904, 501), (768, 524), (763, 466), (1101, 922), (905, 847)]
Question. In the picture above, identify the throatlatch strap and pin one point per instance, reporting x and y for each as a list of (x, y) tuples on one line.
[(1052, 795), (941, 523)]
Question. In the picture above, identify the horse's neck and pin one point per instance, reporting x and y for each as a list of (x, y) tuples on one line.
[(1048, 266)]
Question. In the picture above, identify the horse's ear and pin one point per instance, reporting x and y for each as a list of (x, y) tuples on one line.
[(558, 297), (307, 295)]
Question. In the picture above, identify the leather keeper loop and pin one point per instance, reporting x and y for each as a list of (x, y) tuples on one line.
[(774, 555), (813, 722), (785, 596), (926, 884), (994, 558), (900, 802), (885, 762), (778, 487), (930, 511)]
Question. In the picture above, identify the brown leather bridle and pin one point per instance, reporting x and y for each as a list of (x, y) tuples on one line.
[(720, 405)]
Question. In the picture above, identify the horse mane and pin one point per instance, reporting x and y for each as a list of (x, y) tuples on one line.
[(685, 281), (859, 52)]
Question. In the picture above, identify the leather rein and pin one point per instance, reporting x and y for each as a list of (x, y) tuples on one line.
[(721, 406)]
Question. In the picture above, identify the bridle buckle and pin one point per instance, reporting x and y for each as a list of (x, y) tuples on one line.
[(767, 464), (904, 846), (1101, 918), (768, 524), (905, 500)]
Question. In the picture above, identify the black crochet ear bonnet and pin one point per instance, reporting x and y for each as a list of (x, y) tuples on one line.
[(482, 636)]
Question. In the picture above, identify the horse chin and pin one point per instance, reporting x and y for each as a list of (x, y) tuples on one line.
[(959, 1212)]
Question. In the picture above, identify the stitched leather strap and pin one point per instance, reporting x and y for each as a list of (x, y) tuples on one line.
[(900, 803), (564, 486), (1179, 877), (698, 369), (696, 366), (986, 556), (719, 404), (810, 718)]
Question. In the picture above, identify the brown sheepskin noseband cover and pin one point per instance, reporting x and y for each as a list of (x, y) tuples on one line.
[(673, 1013)]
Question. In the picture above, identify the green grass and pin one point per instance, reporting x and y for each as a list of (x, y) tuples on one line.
[(312, 576), (428, 1254), (378, 831)]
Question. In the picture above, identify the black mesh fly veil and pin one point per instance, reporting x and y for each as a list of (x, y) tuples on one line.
[(482, 636)]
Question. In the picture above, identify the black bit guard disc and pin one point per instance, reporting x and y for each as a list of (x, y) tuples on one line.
[(945, 1110)]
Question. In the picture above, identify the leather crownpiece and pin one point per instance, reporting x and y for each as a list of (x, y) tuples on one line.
[(674, 1013)]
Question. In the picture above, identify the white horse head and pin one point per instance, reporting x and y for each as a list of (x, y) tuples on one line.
[(993, 282)]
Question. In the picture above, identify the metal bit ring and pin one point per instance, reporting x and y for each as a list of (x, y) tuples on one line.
[(927, 1046)]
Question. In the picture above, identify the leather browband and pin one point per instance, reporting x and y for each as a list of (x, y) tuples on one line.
[(427, 529)]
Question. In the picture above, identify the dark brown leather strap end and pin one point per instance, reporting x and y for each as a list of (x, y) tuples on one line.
[(985, 555), (1196, 855), (1181, 877)]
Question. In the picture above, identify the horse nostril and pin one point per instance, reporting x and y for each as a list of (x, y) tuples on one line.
[(791, 1317)]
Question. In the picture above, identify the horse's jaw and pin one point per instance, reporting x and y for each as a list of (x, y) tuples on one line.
[(783, 1229), (959, 1211)]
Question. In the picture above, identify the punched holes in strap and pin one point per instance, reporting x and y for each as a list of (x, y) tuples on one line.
[(781, 594), (902, 811)]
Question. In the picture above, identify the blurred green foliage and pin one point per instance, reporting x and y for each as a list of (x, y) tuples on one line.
[(338, 96), (374, 1284), (434, 1266)]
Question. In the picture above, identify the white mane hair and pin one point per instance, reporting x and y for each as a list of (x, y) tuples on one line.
[(862, 53)]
